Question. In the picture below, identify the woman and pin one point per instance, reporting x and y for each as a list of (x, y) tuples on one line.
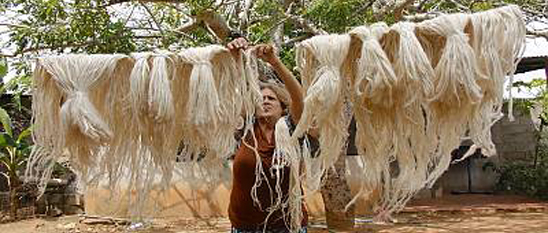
[(246, 215)]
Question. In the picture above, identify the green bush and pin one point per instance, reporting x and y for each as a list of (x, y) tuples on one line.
[(524, 178)]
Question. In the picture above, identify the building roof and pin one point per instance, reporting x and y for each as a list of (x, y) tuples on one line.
[(532, 63)]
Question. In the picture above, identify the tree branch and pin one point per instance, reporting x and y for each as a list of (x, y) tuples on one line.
[(187, 27), (421, 17), (400, 6), (153, 18), (534, 13), (44, 47), (158, 30), (244, 15), (396, 7), (461, 7), (114, 2), (305, 24), (148, 37), (362, 8), (297, 39), (216, 23), (278, 33), (538, 33), (10, 25)]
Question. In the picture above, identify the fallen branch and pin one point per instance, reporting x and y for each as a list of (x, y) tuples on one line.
[(93, 220)]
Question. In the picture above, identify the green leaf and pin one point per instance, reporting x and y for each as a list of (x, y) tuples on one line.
[(6, 121), (3, 67), (27, 132), (6, 140)]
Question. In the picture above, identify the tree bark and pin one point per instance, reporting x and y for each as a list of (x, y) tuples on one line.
[(336, 195), (335, 189)]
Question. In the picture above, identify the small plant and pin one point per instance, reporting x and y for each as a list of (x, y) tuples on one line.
[(14, 151), (529, 177), (524, 178)]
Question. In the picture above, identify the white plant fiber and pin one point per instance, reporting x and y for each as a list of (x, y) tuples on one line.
[(77, 94), (411, 145), (372, 98), (320, 60), (457, 93), (496, 59)]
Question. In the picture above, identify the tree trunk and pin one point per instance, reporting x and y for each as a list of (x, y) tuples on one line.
[(336, 195)]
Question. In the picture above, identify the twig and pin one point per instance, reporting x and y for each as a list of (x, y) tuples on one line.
[(305, 24), (14, 25), (296, 39), (398, 9), (362, 8), (115, 2), (188, 26), (148, 37), (460, 6), (157, 30), (244, 18), (129, 16), (34, 49), (394, 6), (153, 18), (421, 17)]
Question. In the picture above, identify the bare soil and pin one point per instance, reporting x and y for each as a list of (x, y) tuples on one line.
[(462, 213), (445, 222)]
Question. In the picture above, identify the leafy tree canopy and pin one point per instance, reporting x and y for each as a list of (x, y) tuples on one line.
[(33, 27)]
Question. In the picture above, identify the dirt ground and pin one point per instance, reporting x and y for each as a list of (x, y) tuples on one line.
[(459, 213), (447, 222)]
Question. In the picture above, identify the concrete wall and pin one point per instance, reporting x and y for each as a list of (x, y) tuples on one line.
[(182, 202), (513, 140)]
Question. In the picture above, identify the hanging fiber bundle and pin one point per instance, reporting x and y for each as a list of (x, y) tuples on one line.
[(214, 100), (239, 93), (156, 136), (372, 98), (80, 94), (320, 60), (496, 59), (219, 89), (411, 144), (288, 153), (457, 93), (449, 75)]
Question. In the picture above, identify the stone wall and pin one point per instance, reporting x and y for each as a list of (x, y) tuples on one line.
[(513, 140)]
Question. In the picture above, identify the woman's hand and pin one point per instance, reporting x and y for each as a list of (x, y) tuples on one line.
[(267, 53), (236, 45)]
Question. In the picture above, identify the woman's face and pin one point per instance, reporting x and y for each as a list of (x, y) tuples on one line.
[(272, 107)]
